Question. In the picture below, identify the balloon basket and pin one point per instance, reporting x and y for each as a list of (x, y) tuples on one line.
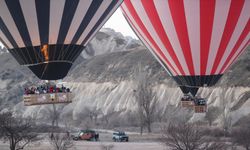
[(187, 101), (49, 98), (200, 109), (200, 105), (187, 104)]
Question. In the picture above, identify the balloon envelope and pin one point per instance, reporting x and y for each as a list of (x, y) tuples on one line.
[(196, 40), (48, 35)]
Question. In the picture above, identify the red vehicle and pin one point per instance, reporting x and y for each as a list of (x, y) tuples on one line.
[(89, 135)]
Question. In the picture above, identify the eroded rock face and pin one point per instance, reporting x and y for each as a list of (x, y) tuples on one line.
[(103, 77), (108, 41), (3, 50), (110, 96)]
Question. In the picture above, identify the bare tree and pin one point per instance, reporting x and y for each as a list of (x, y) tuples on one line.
[(130, 119), (92, 113), (226, 122), (211, 114), (16, 130), (53, 113), (165, 114), (109, 115), (146, 101), (67, 119), (145, 98), (226, 99), (226, 110), (89, 116), (188, 137), (241, 136), (226, 102), (61, 141), (159, 115), (173, 114), (141, 119)]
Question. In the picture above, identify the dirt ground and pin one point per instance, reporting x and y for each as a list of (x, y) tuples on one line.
[(85, 145), (136, 142)]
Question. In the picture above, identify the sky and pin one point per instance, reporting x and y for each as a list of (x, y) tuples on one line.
[(118, 23)]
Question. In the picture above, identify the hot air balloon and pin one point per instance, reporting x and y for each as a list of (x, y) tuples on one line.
[(48, 35), (196, 41)]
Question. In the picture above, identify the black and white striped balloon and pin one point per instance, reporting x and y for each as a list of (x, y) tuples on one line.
[(48, 35)]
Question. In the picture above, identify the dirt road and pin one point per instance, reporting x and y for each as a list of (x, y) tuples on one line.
[(136, 142), (85, 145)]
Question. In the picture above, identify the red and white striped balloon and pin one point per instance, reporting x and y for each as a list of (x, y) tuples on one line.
[(192, 37), (195, 40)]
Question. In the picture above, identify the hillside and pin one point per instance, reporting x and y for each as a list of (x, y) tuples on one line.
[(105, 80)]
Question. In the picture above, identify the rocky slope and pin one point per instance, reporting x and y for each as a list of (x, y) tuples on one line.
[(106, 81), (2, 50), (107, 41)]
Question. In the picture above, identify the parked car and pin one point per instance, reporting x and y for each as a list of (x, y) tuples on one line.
[(89, 135), (120, 136)]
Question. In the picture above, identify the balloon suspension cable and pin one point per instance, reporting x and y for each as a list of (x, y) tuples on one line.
[(191, 86)]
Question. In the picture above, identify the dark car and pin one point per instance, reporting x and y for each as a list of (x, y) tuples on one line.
[(120, 136), (89, 135)]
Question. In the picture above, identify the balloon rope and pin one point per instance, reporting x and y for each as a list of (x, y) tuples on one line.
[(14, 51), (70, 51), (190, 86), (39, 53), (74, 57), (54, 51), (35, 53), (213, 78), (75, 51), (25, 60), (45, 69)]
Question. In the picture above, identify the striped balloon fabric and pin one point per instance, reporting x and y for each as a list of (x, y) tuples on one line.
[(195, 40), (48, 35)]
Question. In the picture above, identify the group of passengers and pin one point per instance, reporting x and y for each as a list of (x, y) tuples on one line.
[(43, 89), (187, 97)]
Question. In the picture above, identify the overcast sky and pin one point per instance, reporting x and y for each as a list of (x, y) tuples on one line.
[(118, 23)]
